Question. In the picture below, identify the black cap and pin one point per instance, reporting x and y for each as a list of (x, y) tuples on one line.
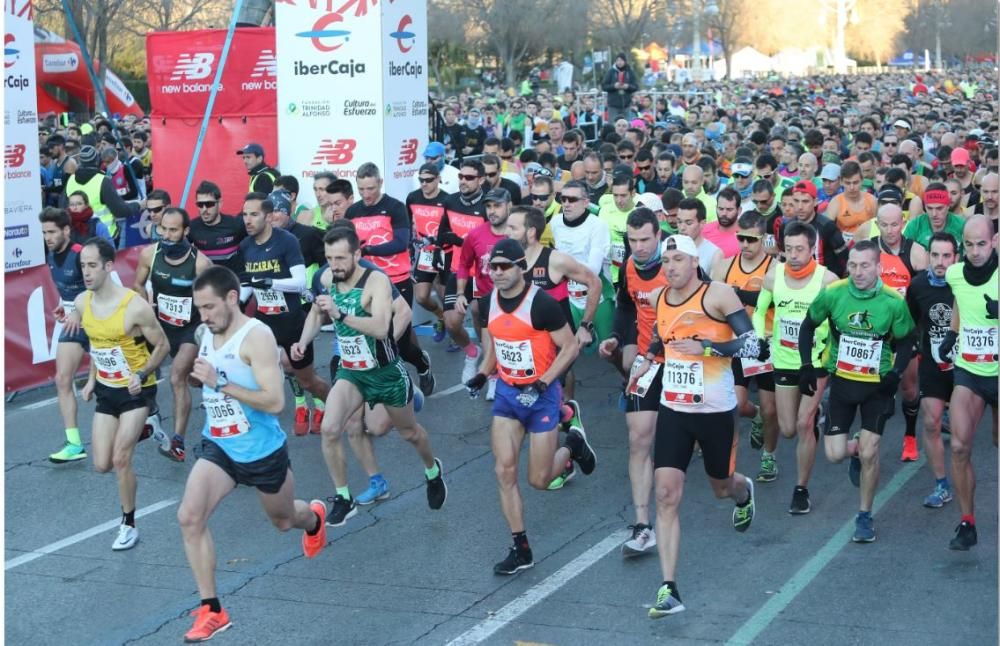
[(509, 250), (251, 149), (429, 168), (890, 193), (499, 195)]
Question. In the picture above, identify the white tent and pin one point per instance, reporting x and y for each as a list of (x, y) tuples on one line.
[(746, 61)]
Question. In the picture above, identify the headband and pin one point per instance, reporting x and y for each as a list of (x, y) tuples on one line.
[(937, 196)]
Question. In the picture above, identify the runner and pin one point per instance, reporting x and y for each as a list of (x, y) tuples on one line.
[(614, 213), (274, 269), (852, 208), (238, 369), (937, 218), (930, 301), (867, 320), (723, 232), (699, 320), (216, 235), (690, 223), (746, 273), (973, 340), (635, 316), (121, 373), (792, 286), (318, 216), (171, 266), (532, 345), (426, 206), (360, 304), (830, 248), (990, 204)]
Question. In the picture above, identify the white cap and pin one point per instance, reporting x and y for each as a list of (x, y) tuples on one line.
[(677, 242), (830, 172), (651, 201), (902, 123)]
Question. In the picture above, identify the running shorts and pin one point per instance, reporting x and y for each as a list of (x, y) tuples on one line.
[(715, 433)]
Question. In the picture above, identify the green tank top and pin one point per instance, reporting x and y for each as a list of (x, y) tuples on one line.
[(976, 350), (359, 351), (318, 220), (790, 307)]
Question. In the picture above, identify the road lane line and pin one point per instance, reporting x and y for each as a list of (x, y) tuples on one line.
[(84, 535), (51, 400), (484, 629), (761, 619), (447, 391)]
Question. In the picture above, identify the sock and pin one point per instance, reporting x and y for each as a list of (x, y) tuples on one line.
[(471, 351), (942, 482), (865, 514), (213, 604), (433, 471), (910, 410), (73, 436), (801, 488), (296, 387), (673, 589), (521, 540), (749, 497), (345, 492), (319, 404), (319, 523), (128, 517), (300, 401), (179, 439), (969, 518), (566, 413)]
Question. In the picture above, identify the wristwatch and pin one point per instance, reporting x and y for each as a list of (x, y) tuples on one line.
[(141, 374), (707, 347), (342, 316), (588, 326), (220, 381)]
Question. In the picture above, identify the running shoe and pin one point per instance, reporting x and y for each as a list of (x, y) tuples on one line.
[(939, 497), (439, 331), (854, 468), (314, 544), (643, 541), (378, 489), (563, 478), (667, 603), (316, 423), (426, 379), (864, 528), (516, 561), (757, 431), (127, 537), (581, 451), (301, 420), (437, 490), (965, 537), (174, 449), (69, 453), (343, 509), (453, 347), (153, 421), (418, 400), (207, 624), (471, 365), (491, 388), (576, 421), (768, 468), (743, 514), (910, 451), (147, 431), (800, 502), (820, 427)]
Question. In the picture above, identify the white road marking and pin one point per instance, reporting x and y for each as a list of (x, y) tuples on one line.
[(82, 536), (486, 628), (51, 400), (447, 391)]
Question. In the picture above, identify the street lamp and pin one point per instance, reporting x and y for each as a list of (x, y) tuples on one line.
[(709, 8)]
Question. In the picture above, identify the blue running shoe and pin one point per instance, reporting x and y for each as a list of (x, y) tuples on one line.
[(418, 400), (378, 489), (864, 528), (439, 331)]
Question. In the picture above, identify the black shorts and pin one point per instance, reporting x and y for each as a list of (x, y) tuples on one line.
[(785, 377), (421, 276), (677, 432), (117, 401), (846, 396), (405, 288), (650, 402), (934, 383), (287, 333), (266, 474), (80, 338), (983, 387), (765, 380), (451, 292), (178, 336)]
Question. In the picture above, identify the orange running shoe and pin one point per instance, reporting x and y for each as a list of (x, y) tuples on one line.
[(207, 624), (317, 419), (313, 545), (301, 420), (910, 452)]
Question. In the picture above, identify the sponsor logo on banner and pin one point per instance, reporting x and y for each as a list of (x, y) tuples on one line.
[(60, 63), (404, 39), (193, 67), (395, 109), (356, 108), (27, 116), (408, 68), (325, 38), (408, 152), (13, 160), (11, 56), (15, 232), (332, 68), (418, 108), (266, 65), (334, 152)]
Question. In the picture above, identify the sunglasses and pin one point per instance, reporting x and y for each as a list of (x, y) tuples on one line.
[(539, 198), (646, 167), (205, 205), (625, 157), (492, 175), (760, 202), (155, 209), (501, 266), (747, 239), (569, 199), (427, 180), (468, 178)]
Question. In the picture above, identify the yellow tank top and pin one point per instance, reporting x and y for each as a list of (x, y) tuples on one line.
[(116, 354)]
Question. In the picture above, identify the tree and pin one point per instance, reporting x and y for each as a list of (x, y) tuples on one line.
[(622, 23), (729, 25), (515, 30)]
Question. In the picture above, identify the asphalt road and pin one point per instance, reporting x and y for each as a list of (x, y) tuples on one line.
[(399, 573)]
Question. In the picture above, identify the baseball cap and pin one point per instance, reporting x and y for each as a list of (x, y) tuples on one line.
[(651, 201), (742, 167), (429, 168), (499, 195), (434, 149), (681, 243), (902, 123), (890, 193), (532, 168), (282, 201), (805, 186), (508, 250), (960, 157), (251, 149), (830, 172)]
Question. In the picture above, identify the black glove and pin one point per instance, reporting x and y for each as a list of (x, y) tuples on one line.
[(260, 283), (889, 383), (475, 384), (765, 350), (947, 348), (807, 380), (991, 307)]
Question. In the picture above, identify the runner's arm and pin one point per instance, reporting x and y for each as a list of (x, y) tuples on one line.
[(310, 327), (746, 344), (577, 271), (807, 333), (446, 235), (150, 329), (379, 291), (402, 316), (296, 283), (918, 258), (142, 271), (764, 299), (400, 223), (625, 314), (259, 349), (568, 351)]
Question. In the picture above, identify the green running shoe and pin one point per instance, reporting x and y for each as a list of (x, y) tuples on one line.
[(743, 514), (768, 468), (69, 453), (667, 603), (563, 478)]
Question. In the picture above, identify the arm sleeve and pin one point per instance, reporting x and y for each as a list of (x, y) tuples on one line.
[(445, 234), (760, 313), (398, 244), (296, 283), (465, 260), (745, 345), (806, 335), (904, 353), (625, 315), (600, 247), (748, 297)]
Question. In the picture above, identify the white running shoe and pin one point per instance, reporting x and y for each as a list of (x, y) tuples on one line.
[(471, 366), (159, 435), (643, 541), (127, 538)]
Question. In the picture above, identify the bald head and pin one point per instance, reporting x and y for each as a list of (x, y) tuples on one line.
[(977, 226), (889, 221), (693, 180), (949, 139), (807, 165), (908, 148)]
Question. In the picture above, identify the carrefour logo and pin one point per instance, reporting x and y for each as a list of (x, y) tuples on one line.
[(324, 38), (404, 38), (10, 53)]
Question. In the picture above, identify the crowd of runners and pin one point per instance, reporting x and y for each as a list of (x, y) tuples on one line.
[(794, 255)]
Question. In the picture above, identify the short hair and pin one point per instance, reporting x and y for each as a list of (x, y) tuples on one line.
[(58, 217), (368, 170), (694, 204), (866, 156), (493, 141), (141, 135), (943, 236), (894, 175), (812, 138), (798, 228), (476, 165), (862, 137), (867, 245), (730, 194), (762, 186), (184, 214), (640, 217), (341, 186), (340, 232), (766, 159), (220, 279), (490, 160), (527, 156), (533, 219), (625, 145), (208, 188), (542, 179), (752, 220), (672, 197), (667, 156), (325, 174), (571, 137), (507, 144), (901, 158), (86, 198), (547, 159), (936, 186), (159, 194), (573, 183), (288, 182), (850, 169), (266, 205), (621, 179), (105, 249)]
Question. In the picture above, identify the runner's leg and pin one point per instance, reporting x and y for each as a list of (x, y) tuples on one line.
[(641, 432), (966, 411), (506, 435), (206, 486), (179, 371), (285, 511), (68, 358), (343, 401)]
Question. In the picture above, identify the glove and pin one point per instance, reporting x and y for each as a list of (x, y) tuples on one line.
[(308, 296), (765, 350), (991, 307), (947, 348), (807, 380), (260, 283), (889, 383), (475, 384)]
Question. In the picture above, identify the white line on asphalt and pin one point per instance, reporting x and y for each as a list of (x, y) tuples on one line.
[(51, 400), (82, 536), (484, 629), (447, 391)]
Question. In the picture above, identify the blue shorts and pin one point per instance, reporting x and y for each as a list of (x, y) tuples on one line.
[(541, 417), (80, 338)]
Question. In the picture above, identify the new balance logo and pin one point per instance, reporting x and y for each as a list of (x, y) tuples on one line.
[(334, 152), (192, 67), (266, 65), (13, 155), (407, 152)]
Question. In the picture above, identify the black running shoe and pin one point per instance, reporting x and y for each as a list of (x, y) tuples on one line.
[(965, 537), (800, 502), (516, 561), (437, 490), (580, 450), (342, 510)]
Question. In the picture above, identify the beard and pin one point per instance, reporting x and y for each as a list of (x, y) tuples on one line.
[(338, 276)]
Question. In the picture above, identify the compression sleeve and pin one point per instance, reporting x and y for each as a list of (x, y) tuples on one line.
[(748, 297), (806, 333), (296, 283), (745, 345), (398, 244), (446, 235), (904, 352), (764, 300)]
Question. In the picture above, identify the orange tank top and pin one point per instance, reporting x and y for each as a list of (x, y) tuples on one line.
[(641, 291), (751, 281), (692, 383), (848, 220), (523, 353)]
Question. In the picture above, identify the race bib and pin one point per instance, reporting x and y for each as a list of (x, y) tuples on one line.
[(270, 301), (226, 417), (111, 365), (641, 386), (617, 253), (788, 332), (355, 353), (683, 382), (942, 364), (858, 357), (577, 293), (848, 236), (175, 310), (425, 259), (978, 344), (753, 367), (68, 307), (515, 358)]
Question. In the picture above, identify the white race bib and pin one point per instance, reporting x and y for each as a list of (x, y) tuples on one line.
[(226, 417), (858, 357), (270, 301), (683, 382), (617, 253), (788, 332), (175, 310), (355, 353), (515, 358), (425, 259), (642, 385), (753, 367), (978, 344), (68, 307), (942, 364), (111, 365)]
